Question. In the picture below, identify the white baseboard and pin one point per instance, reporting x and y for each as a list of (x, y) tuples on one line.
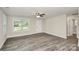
[(56, 35), (35, 33), (22, 35)]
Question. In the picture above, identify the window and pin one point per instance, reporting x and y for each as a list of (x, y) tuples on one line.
[(20, 24), (4, 24)]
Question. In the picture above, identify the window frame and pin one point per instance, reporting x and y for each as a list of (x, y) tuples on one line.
[(19, 18)]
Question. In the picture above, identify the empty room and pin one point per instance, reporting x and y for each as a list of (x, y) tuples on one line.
[(39, 28)]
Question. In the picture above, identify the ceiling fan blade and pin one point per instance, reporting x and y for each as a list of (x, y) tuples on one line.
[(42, 14)]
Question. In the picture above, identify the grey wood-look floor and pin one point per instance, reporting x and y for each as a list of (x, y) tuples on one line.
[(38, 42)]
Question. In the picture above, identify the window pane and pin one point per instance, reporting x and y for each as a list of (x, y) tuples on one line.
[(17, 25), (25, 25), (4, 24)]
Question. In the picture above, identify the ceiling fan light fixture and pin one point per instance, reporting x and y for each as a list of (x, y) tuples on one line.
[(37, 16)]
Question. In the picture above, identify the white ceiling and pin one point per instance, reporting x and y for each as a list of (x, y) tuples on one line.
[(49, 11)]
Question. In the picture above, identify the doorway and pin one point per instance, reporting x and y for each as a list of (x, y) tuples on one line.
[(72, 25)]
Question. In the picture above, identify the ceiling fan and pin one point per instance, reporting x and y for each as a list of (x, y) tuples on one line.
[(38, 15)]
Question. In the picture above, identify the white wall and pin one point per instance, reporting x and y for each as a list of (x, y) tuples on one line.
[(56, 26), (35, 26), (78, 28), (78, 32), (3, 34), (39, 25)]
